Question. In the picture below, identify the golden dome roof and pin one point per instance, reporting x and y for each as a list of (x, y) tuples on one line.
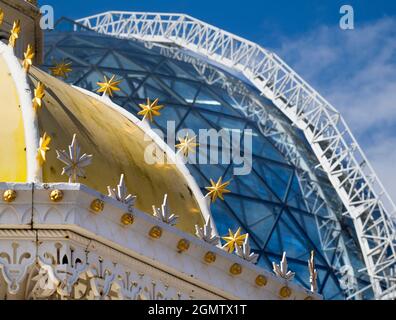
[(116, 142)]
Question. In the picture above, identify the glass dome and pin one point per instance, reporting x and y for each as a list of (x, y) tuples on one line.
[(269, 203)]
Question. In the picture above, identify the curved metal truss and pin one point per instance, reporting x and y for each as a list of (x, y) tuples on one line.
[(337, 151)]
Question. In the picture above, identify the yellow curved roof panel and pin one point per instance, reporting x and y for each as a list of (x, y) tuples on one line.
[(117, 146), (13, 163)]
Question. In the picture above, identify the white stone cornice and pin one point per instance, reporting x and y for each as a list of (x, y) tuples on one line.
[(93, 236)]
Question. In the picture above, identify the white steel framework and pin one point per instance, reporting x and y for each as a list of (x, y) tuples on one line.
[(337, 151)]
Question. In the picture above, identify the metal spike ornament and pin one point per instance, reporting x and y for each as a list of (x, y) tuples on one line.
[(281, 270), (313, 275), (206, 233), (74, 161), (244, 251), (164, 213), (121, 194)]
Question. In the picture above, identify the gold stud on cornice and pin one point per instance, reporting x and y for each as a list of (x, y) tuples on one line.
[(14, 33), (56, 195), (150, 109), (261, 280), (127, 219), (183, 245), (210, 257), (155, 232), (236, 269), (9, 195), (285, 292), (97, 206), (28, 58)]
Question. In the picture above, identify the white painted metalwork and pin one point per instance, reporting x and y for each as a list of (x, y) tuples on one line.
[(337, 151)]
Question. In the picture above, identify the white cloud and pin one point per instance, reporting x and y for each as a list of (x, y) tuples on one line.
[(356, 71)]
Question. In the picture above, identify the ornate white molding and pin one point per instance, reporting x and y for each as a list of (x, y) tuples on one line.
[(82, 254)]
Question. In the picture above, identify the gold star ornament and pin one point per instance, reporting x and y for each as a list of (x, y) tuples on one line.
[(187, 145), (28, 55), (233, 240), (108, 86), (38, 96), (43, 148), (150, 109), (16, 29), (217, 189), (61, 69)]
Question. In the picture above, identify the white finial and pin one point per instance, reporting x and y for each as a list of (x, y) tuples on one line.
[(244, 251), (281, 270), (206, 233), (121, 194), (164, 213), (75, 162)]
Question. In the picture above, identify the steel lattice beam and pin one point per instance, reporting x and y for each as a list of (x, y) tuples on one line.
[(337, 151)]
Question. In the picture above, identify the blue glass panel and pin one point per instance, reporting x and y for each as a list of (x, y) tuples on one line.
[(127, 64), (251, 185), (224, 219), (276, 176)]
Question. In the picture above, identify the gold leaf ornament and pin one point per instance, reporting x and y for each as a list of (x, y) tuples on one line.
[(39, 94), (28, 58), (45, 140), (14, 33)]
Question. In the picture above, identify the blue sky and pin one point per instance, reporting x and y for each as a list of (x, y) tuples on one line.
[(248, 18), (354, 69)]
